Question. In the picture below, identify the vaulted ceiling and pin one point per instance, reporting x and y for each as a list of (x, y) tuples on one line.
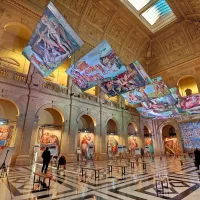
[(96, 20)]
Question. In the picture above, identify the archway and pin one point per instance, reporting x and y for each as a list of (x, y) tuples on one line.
[(113, 137), (14, 39), (187, 85), (86, 138), (170, 140), (133, 139), (8, 123), (50, 128)]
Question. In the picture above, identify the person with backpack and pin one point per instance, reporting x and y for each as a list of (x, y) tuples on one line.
[(46, 155)]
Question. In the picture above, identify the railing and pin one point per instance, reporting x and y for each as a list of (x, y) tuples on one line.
[(55, 87), (12, 75)]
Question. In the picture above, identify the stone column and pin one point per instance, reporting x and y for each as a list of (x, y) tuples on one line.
[(24, 158), (65, 140), (19, 131)]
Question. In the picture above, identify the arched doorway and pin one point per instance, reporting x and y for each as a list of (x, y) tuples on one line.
[(8, 122), (113, 137), (50, 128), (86, 139), (187, 86), (170, 140), (133, 139)]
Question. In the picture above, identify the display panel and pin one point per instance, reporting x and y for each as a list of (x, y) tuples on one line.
[(134, 78), (52, 42), (190, 134), (98, 65), (86, 139), (155, 90)]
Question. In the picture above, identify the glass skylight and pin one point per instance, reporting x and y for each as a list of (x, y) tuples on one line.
[(158, 10), (139, 4), (154, 14)]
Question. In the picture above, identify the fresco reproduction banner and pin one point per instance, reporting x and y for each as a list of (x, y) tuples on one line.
[(5, 135), (97, 66), (113, 142), (151, 91), (190, 134), (49, 137), (161, 104), (52, 42), (86, 139), (132, 143), (134, 78), (171, 146), (145, 113)]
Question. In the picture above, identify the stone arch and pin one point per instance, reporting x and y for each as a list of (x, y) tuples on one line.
[(160, 127), (191, 84), (17, 22), (177, 130), (56, 107), (134, 125), (17, 104), (86, 113), (115, 120)]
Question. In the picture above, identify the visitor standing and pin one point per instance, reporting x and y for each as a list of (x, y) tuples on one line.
[(61, 161), (142, 153), (46, 155), (197, 158)]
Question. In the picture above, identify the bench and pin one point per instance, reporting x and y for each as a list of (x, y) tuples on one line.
[(144, 164), (161, 180), (42, 175), (123, 169), (95, 169)]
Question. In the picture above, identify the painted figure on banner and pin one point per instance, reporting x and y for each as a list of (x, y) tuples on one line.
[(113, 142), (85, 140), (171, 146), (98, 65), (160, 104), (52, 42), (132, 143), (148, 92), (49, 137), (126, 81)]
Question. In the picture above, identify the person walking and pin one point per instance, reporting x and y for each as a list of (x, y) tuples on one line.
[(197, 158), (46, 155)]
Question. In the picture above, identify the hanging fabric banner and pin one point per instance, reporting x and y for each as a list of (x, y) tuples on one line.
[(52, 42), (98, 65)]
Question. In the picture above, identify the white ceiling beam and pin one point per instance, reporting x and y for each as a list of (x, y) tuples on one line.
[(151, 3)]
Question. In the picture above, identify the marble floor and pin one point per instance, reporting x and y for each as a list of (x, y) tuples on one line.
[(138, 183)]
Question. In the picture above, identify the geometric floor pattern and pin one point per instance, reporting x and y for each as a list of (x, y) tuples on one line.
[(138, 183)]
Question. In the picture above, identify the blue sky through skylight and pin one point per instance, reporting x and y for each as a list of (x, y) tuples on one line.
[(138, 4), (155, 12)]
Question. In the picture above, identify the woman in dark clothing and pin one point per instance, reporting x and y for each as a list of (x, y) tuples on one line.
[(197, 158), (46, 155), (62, 161)]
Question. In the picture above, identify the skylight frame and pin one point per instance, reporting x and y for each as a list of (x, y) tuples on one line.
[(160, 23)]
